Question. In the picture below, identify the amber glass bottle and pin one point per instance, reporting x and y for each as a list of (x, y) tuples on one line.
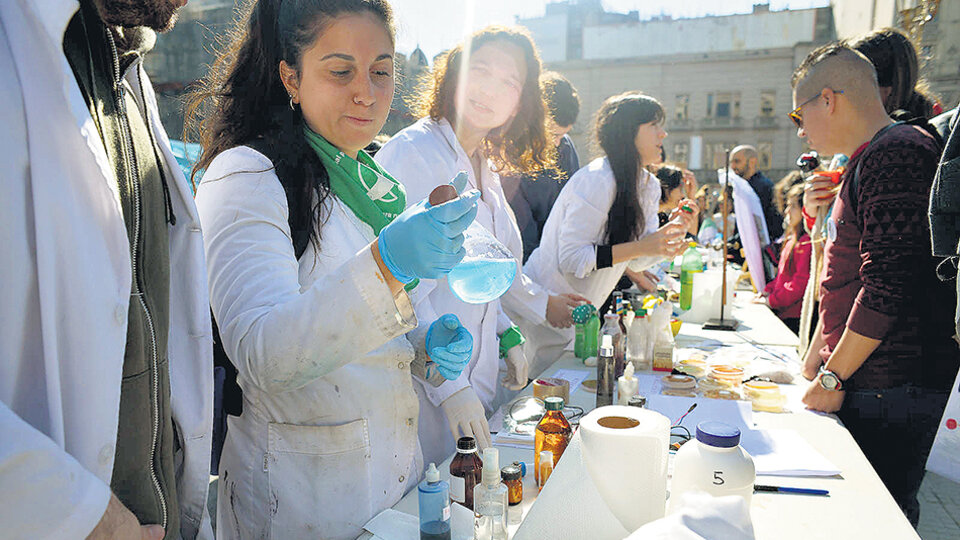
[(465, 470), (553, 433)]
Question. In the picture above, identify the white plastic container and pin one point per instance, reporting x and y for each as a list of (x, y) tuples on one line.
[(714, 463)]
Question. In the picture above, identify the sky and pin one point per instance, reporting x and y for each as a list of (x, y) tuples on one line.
[(437, 25)]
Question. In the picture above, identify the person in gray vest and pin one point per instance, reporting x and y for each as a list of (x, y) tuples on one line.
[(105, 347)]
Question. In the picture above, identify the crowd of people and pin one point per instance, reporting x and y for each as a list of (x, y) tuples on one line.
[(343, 358)]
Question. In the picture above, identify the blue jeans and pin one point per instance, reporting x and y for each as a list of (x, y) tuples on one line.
[(895, 428)]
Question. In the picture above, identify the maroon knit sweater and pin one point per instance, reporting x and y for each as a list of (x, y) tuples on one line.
[(879, 278)]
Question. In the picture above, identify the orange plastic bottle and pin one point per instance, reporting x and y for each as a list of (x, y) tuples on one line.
[(553, 433)]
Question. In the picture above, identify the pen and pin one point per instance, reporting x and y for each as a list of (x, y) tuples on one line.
[(784, 489)]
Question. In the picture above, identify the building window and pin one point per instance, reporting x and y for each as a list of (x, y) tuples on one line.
[(765, 159), (683, 106), (680, 155), (728, 105), (767, 103), (709, 105)]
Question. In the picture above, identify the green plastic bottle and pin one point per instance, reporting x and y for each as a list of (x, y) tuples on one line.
[(587, 328), (692, 263)]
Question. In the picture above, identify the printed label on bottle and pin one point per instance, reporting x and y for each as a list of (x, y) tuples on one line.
[(458, 489), (446, 513)]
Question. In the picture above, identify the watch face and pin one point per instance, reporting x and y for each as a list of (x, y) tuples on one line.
[(829, 381)]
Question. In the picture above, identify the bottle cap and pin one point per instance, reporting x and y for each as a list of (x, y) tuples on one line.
[(718, 434), (522, 466), (491, 466), (553, 403), (466, 443), (510, 472), (640, 312), (606, 345), (433, 475)]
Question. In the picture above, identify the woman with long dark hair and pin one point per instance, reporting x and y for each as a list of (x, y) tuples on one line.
[(483, 113), (605, 219), (310, 256)]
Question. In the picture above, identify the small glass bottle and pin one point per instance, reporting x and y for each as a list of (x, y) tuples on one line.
[(513, 479), (553, 433), (611, 327), (544, 469), (606, 379), (490, 500), (434, 498), (465, 472)]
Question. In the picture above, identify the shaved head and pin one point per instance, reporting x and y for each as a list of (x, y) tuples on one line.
[(747, 151), (840, 68)]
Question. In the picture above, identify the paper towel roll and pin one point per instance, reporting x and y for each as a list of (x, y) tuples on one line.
[(625, 452)]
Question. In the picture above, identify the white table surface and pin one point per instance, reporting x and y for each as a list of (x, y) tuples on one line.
[(859, 506)]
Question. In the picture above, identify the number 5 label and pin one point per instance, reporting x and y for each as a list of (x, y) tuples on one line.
[(718, 478)]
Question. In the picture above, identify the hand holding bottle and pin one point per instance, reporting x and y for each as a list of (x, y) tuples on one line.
[(517, 369), (427, 241), (667, 241), (449, 345)]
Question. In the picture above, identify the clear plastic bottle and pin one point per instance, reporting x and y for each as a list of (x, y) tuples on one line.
[(692, 264), (465, 472), (433, 495), (490, 500), (714, 463), (553, 433), (636, 341)]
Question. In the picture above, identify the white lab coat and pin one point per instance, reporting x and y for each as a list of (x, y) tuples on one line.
[(566, 260), (422, 157), (66, 288), (328, 434)]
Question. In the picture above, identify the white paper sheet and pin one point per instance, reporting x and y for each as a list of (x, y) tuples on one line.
[(784, 452), (574, 376), (750, 224), (735, 413), (394, 525)]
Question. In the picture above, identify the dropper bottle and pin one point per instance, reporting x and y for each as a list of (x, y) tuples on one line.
[(490, 500), (434, 499)]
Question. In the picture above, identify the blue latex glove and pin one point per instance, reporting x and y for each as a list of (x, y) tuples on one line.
[(449, 345), (427, 241)]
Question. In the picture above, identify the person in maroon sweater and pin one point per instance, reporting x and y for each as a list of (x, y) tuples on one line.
[(785, 293), (882, 356)]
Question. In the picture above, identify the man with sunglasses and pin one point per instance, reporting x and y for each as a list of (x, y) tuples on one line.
[(886, 357)]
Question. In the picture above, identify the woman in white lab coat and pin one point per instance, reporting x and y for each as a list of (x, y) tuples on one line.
[(328, 433), (605, 218), (482, 115)]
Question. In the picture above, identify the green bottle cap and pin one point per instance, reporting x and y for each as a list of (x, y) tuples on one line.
[(554, 403), (581, 314)]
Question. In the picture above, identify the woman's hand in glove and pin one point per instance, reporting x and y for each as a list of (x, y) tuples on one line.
[(449, 345), (517, 369), (427, 241), (466, 416)]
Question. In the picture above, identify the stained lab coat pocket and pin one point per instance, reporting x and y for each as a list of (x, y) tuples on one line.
[(319, 478)]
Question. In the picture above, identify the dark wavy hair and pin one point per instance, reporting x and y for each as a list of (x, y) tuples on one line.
[(894, 57), (618, 120), (242, 101), (670, 179), (522, 146)]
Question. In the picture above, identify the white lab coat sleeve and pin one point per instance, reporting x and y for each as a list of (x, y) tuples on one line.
[(44, 491), (643, 262), (527, 299), (280, 337), (577, 242)]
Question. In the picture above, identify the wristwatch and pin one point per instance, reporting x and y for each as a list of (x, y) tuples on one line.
[(831, 381)]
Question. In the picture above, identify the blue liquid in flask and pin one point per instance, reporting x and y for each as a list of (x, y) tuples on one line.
[(482, 280)]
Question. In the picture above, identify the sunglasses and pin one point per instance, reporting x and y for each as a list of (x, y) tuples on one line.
[(795, 114)]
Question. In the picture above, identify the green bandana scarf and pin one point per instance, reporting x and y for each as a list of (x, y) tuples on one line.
[(372, 194), (369, 191)]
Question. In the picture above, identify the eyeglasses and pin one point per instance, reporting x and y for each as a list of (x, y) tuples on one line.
[(795, 114)]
